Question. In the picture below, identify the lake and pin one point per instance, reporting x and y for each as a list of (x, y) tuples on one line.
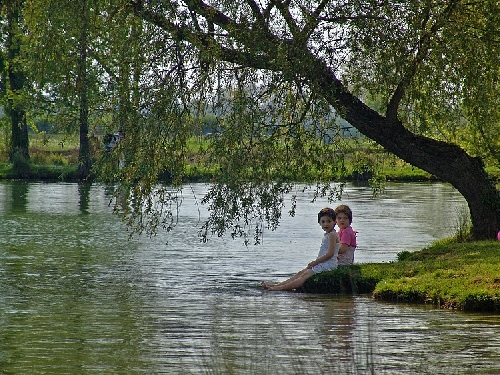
[(77, 296)]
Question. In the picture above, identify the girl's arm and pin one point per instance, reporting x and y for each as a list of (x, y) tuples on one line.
[(333, 238), (343, 248)]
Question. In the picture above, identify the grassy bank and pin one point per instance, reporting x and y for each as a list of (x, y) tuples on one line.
[(55, 157), (463, 276), (39, 172), (66, 171), (50, 163), (52, 158)]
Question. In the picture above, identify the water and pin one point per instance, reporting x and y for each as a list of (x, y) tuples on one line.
[(78, 297)]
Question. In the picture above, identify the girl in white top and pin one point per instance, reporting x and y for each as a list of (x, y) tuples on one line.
[(327, 256)]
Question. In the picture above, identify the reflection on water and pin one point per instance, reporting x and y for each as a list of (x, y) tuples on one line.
[(84, 196), (77, 297)]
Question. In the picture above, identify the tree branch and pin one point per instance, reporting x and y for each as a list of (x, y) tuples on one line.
[(313, 20), (261, 22), (285, 12), (424, 45), (201, 40)]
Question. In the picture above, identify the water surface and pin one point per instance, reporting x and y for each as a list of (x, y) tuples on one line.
[(78, 297)]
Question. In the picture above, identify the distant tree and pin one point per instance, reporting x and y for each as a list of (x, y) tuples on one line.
[(13, 82), (3, 73), (84, 157), (61, 58), (58, 61), (85, 66)]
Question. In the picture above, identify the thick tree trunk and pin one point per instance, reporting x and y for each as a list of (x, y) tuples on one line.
[(19, 147), (446, 161), (84, 158)]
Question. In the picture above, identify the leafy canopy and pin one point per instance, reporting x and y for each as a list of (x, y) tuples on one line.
[(431, 64)]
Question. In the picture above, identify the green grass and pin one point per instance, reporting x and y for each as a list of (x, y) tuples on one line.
[(464, 276), (53, 142), (405, 172), (53, 157), (40, 172)]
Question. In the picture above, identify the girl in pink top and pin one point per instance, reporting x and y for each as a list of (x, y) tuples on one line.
[(346, 234)]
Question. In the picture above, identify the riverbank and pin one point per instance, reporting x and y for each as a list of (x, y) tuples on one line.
[(55, 158), (447, 274), (39, 172), (68, 173)]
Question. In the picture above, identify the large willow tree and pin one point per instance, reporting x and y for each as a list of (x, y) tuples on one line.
[(271, 71)]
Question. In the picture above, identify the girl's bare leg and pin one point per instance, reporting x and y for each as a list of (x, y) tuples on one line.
[(294, 282), (294, 277)]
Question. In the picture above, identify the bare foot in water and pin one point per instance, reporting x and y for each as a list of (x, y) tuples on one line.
[(265, 285)]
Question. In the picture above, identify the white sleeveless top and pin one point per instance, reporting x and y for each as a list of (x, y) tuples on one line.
[(331, 263)]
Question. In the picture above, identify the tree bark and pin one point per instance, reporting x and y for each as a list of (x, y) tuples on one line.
[(19, 147), (84, 158)]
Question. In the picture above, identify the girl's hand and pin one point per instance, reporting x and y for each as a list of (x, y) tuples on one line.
[(311, 264)]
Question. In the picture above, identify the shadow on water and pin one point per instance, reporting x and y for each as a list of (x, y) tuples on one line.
[(18, 196), (84, 195)]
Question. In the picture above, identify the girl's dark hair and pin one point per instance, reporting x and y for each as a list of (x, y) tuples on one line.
[(327, 211)]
